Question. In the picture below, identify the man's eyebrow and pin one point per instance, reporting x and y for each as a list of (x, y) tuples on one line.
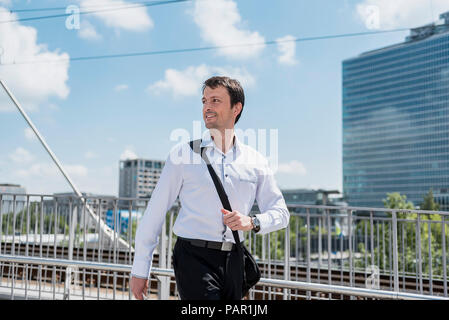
[(211, 97)]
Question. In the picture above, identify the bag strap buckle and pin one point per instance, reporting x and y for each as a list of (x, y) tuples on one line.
[(226, 246)]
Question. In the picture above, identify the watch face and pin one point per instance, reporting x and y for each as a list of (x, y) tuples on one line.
[(256, 224)]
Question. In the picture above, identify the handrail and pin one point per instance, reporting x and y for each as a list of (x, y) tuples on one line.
[(305, 206), (285, 284)]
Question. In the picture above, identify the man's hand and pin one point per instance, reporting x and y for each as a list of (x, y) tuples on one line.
[(139, 287), (236, 221)]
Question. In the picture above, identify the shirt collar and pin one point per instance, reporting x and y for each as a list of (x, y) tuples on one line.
[(207, 141)]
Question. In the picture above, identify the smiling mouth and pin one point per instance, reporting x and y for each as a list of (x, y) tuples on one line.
[(210, 116)]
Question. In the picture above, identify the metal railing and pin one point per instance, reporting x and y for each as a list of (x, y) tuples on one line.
[(330, 253), (74, 266)]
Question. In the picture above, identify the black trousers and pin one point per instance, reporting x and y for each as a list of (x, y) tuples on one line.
[(207, 274)]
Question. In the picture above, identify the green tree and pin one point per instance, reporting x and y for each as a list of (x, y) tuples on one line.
[(397, 201), (429, 202), (410, 227)]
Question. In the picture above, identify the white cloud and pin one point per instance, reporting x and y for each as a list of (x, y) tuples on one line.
[(400, 13), (128, 153), (287, 47), (121, 87), (21, 155), (29, 134), (44, 177), (87, 31), (33, 83), (293, 167), (50, 170), (221, 25), (188, 82), (132, 19)]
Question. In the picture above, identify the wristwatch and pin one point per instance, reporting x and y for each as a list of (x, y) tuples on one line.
[(256, 224)]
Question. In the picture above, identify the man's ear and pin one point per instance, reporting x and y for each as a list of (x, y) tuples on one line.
[(237, 108)]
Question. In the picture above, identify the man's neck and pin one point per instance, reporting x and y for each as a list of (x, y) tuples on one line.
[(223, 139)]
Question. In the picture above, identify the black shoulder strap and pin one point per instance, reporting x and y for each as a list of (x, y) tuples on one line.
[(195, 145)]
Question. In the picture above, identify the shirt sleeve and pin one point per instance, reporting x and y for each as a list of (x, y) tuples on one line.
[(150, 226), (274, 213)]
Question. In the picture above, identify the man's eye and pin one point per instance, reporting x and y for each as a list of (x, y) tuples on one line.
[(216, 100)]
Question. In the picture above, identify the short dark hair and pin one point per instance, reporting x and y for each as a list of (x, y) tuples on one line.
[(234, 88)]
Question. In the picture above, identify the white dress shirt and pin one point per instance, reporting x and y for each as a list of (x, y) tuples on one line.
[(245, 175)]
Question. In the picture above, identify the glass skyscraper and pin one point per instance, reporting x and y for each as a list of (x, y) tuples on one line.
[(396, 119)]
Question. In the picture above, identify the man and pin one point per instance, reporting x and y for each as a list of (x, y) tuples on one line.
[(205, 257)]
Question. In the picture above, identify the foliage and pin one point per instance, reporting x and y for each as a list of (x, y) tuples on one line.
[(428, 239)]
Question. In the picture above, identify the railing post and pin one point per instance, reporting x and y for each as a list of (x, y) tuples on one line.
[(351, 280), (418, 243), (395, 251), (163, 282), (329, 250), (41, 231), (286, 259), (320, 246), (72, 224), (371, 222), (12, 266), (443, 246), (308, 249)]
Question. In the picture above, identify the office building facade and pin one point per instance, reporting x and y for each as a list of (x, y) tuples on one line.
[(396, 119), (138, 177)]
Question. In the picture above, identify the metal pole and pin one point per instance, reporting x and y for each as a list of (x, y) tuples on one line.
[(371, 222), (395, 252), (418, 241), (443, 245), (403, 255), (319, 247), (429, 237), (163, 284), (308, 250), (351, 279), (286, 259), (329, 248), (26, 246)]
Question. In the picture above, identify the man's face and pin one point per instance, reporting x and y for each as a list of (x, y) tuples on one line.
[(217, 112)]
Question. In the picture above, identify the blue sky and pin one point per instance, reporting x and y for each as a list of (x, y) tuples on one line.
[(92, 113)]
